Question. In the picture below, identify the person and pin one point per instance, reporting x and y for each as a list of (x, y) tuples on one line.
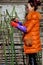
[(31, 30)]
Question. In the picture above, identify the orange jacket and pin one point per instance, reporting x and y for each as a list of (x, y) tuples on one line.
[(32, 36)]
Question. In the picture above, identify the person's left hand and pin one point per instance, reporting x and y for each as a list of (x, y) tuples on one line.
[(15, 19), (28, 42)]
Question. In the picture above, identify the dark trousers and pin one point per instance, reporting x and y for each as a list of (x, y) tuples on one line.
[(31, 59)]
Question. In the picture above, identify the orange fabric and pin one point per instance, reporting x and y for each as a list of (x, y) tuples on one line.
[(33, 33)]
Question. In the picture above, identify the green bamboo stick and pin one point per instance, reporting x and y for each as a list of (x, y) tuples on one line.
[(12, 63), (13, 12), (38, 58), (13, 53), (4, 47), (20, 40), (12, 41), (8, 36), (8, 13), (13, 47), (12, 56)]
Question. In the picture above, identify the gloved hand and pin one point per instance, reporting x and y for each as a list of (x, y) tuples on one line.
[(13, 24), (16, 20), (20, 27)]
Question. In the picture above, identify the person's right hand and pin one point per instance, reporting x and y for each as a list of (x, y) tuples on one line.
[(13, 24)]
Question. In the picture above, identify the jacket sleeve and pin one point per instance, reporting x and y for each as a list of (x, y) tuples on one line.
[(34, 20), (31, 25)]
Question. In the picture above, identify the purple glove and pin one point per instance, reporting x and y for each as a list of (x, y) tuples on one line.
[(22, 28)]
